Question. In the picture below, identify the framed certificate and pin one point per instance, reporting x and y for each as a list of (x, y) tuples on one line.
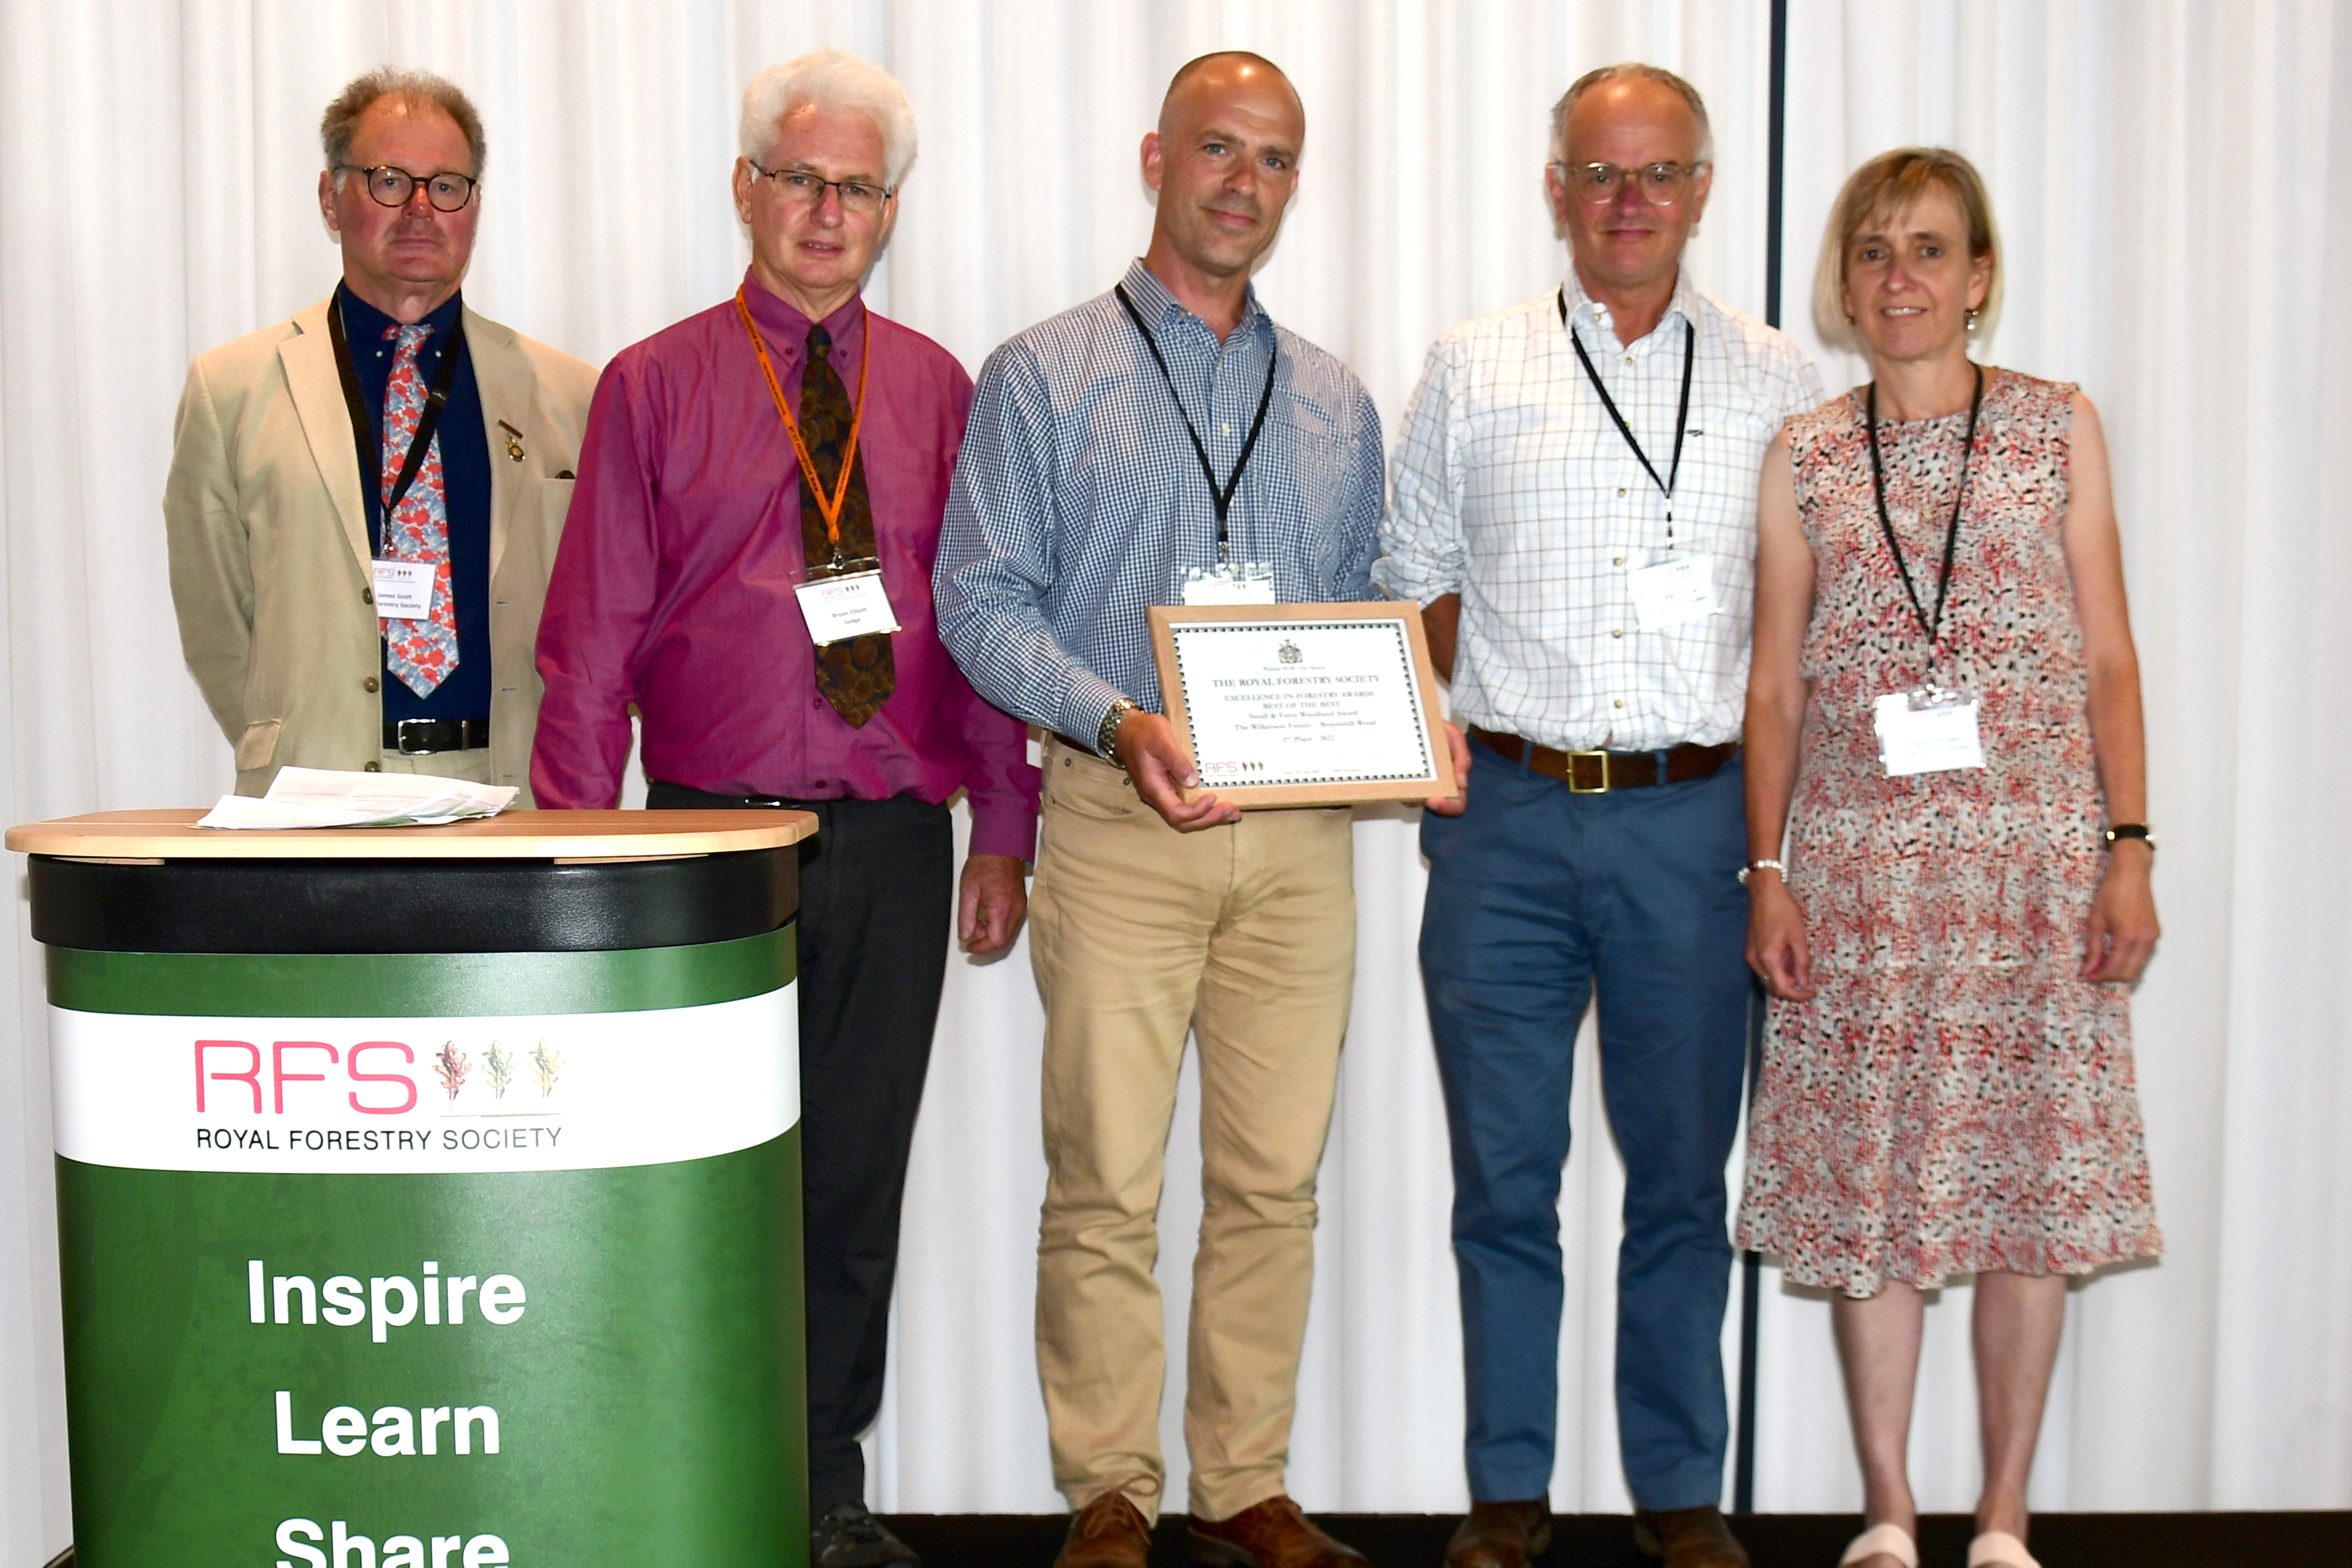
[(1303, 704)]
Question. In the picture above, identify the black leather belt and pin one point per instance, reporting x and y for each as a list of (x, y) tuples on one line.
[(414, 737), (662, 795)]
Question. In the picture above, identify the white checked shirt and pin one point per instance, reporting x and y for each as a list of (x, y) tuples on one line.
[(1512, 487)]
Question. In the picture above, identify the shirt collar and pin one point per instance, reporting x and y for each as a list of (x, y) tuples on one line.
[(366, 324), (1584, 308), (787, 326), (1155, 303)]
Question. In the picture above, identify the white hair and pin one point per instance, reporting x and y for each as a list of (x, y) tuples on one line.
[(836, 82)]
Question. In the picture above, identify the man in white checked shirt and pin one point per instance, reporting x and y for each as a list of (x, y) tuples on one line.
[(1573, 502)]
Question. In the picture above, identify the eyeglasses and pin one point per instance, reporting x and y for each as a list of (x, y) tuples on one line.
[(392, 187), (1660, 184), (806, 187)]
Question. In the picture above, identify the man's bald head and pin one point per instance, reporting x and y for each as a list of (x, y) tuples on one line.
[(1223, 165), (1211, 74)]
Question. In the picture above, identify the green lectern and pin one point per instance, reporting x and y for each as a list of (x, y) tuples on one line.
[(428, 1197)]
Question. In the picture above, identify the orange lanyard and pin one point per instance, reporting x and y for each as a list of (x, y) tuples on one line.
[(828, 507)]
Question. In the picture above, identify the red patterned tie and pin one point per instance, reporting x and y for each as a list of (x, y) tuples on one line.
[(421, 653)]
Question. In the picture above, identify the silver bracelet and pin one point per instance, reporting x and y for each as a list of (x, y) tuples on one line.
[(1754, 866)]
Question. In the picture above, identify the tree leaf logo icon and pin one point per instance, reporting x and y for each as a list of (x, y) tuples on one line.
[(546, 1066), (451, 1065)]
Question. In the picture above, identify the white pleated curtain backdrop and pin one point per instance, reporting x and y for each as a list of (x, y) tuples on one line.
[(2175, 182)]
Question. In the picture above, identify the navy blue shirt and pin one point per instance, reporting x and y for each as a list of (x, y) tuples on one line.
[(466, 486)]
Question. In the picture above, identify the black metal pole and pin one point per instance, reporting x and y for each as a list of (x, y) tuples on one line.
[(1752, 1266), (1751, 1291), (1776, 182)]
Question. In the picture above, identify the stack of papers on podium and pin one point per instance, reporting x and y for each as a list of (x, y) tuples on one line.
[(321, 797)]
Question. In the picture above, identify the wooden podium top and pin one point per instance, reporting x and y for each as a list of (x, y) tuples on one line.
[(172, 834)]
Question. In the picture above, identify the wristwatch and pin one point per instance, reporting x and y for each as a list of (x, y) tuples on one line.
[(1106, 732), (2130, 830)]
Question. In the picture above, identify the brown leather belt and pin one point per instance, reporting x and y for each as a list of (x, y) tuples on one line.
[(1598, 773)]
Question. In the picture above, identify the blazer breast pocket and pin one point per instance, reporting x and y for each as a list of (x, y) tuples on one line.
[(554, 505), (538, 523)]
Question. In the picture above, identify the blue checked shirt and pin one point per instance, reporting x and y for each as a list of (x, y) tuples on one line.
[(1078, 502)]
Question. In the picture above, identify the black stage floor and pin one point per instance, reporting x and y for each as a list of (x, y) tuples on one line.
[(1775, 1541)]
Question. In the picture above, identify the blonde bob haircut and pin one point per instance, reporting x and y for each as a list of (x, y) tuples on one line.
[(1878, 191)]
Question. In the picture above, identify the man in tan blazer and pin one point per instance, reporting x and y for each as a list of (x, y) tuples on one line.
[(288, 578)]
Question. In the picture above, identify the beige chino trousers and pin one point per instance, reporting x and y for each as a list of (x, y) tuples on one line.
[(1246, 934)]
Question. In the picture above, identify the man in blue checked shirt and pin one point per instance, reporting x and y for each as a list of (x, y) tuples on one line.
[(1166, 443)]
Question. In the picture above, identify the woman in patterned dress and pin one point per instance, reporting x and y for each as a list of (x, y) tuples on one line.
[(1947, 1078)]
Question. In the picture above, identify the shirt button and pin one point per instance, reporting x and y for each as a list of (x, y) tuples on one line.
[(816, 702), (1629, 359), (1224, 429), (369, 684), (1620, 489), (1620, 703), (1617, 632), (371, 768), (1619, 561)]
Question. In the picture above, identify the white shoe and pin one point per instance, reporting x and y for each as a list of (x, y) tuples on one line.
[(1889, 1540), (1999, 1549)]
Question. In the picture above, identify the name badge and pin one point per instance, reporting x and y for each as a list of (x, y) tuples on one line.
[(1927, 731), (837, 608), (1673, 591), (1238, 582), (404, 589)]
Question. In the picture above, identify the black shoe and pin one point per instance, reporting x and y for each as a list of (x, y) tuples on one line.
[(846, 1536)]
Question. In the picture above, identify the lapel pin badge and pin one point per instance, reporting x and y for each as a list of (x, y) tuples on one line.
[(514, 440)]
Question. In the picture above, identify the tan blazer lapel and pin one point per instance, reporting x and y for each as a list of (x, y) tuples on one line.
[(509, 391), (309, 360)]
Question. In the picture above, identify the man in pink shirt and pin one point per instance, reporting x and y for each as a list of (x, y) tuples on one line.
[(759, 494)]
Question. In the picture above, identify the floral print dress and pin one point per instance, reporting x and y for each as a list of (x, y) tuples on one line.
[(1955, 1099)]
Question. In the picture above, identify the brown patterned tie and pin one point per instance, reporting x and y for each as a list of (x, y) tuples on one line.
[(856, 674)]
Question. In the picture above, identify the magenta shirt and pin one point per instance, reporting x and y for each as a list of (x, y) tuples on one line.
[(673, 588)]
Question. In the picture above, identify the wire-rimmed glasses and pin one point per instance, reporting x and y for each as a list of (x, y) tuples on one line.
[(1661, 184), (806, 187)]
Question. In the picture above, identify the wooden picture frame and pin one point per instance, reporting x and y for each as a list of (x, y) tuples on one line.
[(1437, 779)]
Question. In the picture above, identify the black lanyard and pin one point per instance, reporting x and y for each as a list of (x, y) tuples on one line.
[(1682, 413), (364, 434), (1221, 498), (1952, 534)]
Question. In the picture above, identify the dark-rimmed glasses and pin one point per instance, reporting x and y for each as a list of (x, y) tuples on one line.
[(806, 187), (391, 187), (1660, 184)]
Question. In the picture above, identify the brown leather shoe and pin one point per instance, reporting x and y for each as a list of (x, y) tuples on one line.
[(1273, 1534), (1501, 1535), (1108, 1533), (1689, 1538)]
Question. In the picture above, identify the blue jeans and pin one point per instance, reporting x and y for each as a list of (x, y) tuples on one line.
[(1536, 896)]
